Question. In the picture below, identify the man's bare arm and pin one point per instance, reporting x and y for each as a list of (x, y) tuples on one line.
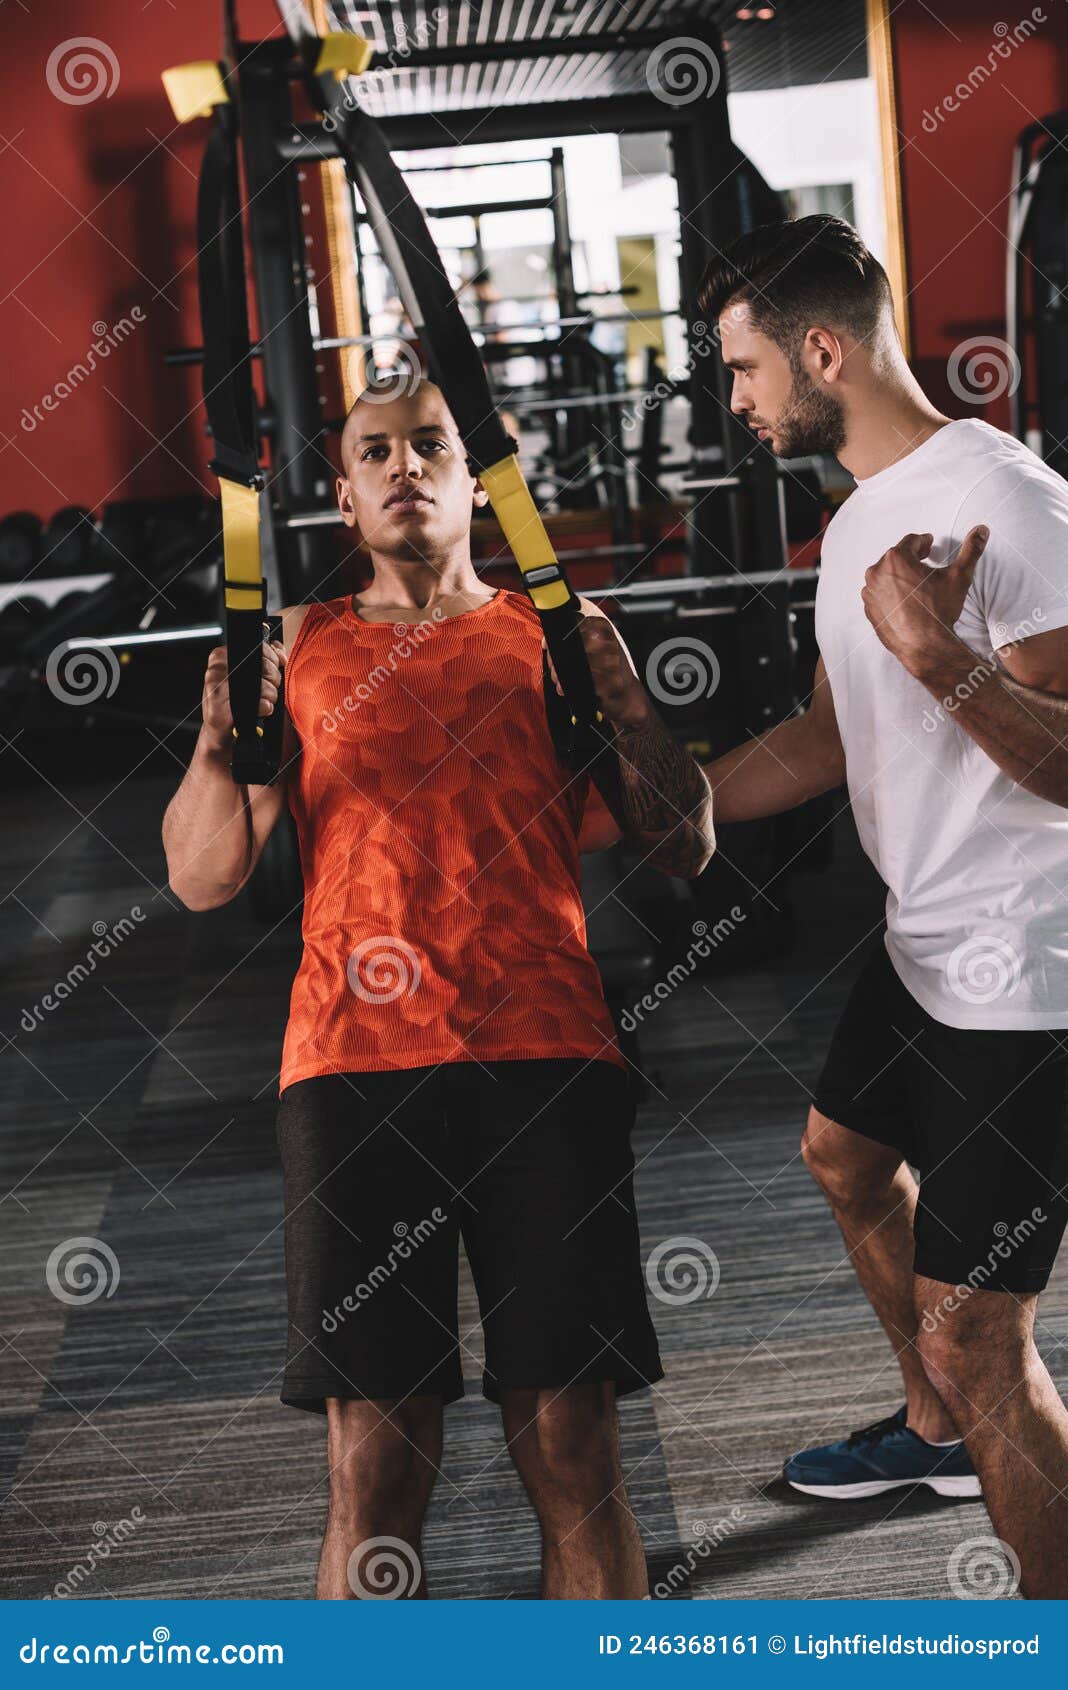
[(794, 761), (1022, 728), (214, 830), (667, 802)]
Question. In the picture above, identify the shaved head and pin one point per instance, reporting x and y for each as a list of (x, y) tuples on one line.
[(371, 411)]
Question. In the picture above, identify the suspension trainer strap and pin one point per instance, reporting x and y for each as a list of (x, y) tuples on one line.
[(229, 399), (406, 244)]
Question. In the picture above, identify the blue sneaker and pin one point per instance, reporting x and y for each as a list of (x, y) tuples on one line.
[(879, 1458)]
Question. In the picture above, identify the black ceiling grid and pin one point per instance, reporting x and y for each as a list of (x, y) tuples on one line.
[(808, 41)]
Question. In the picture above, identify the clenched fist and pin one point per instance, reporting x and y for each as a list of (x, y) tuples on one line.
[(619, 692), (215, 705)]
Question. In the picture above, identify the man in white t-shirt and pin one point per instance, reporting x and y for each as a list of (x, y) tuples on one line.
[(941, 700)]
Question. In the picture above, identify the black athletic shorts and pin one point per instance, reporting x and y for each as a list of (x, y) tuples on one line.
[(530, 1162), (980, 1114)]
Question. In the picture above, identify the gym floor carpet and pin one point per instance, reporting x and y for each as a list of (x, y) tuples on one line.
[(123, 1118)]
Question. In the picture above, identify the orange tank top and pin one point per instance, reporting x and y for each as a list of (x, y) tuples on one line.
[(438, 834)]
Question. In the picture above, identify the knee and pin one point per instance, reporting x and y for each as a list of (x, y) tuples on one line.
[(571, 1449), (822, 1155), (850, 1179), (378, 1465)]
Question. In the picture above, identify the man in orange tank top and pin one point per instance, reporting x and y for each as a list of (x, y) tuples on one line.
[(450, 1066)]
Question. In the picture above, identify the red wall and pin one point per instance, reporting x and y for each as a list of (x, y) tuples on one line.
[(956, 169), (99, 204)]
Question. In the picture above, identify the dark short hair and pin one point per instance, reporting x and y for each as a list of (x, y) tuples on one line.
[(798, 273)]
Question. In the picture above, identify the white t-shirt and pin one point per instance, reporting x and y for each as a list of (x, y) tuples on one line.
[(976, 867)]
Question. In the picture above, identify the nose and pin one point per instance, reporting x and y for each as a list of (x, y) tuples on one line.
[(405, 462), (739, 405)]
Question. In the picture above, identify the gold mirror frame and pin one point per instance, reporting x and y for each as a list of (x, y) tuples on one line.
[(881, 62)]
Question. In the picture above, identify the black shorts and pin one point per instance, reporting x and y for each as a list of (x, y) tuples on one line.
[(980, 1113), (530, 1162)]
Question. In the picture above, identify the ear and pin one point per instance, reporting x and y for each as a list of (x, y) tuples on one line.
[(479, 495), (344, 502), (823, 353)]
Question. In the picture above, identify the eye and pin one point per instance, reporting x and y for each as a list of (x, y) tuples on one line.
[(370, 452), (437, 445)]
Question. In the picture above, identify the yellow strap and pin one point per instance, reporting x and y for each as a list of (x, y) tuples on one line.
[(194, 89), (525, 532), (523, 528), (241, 545), (345, 54)]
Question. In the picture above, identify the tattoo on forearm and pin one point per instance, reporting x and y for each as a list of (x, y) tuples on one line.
[(667, 801)]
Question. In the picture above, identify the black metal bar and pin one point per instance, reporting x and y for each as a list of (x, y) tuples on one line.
[(713, 214), (630, 113), (300, 471), (1021, 201), (478, 208), (179, 355), (611, 454), (472, 164), (306, 143), (715, 206), (708, 221), (584, 320), (578, 429), (563, 263), (650, 451)]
